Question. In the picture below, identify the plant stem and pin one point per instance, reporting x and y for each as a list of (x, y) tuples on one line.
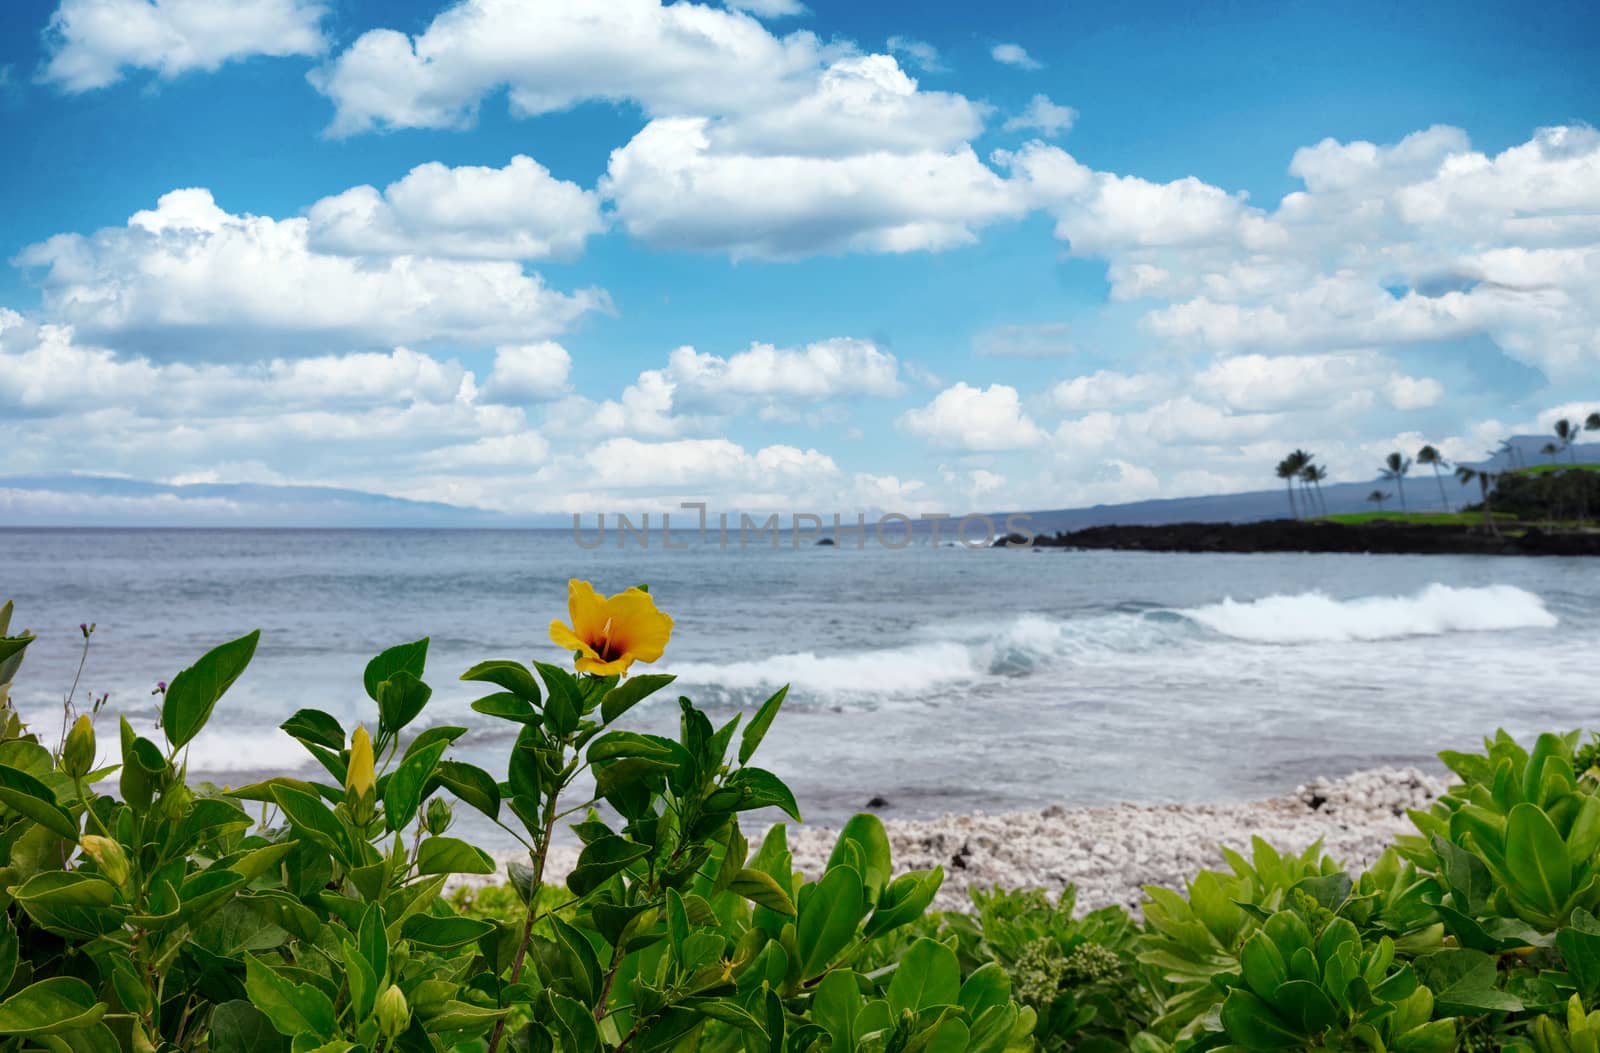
[(605, 987), (535, 887)]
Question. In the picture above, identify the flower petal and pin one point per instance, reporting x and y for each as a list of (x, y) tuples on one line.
[(588, 610), (568, 640), (637, 626), (593, 665)]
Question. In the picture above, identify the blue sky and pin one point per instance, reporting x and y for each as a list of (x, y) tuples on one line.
[(901, 257)]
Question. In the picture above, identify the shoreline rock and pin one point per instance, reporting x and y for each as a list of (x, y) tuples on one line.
[(1292, 535), (1111, 852)]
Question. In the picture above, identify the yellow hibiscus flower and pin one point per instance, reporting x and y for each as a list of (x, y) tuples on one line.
[(611, 634)]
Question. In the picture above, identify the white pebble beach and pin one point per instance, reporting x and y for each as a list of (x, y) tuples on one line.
[(1111, 853)]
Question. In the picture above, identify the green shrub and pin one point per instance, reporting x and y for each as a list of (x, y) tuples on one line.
[(307, 915), (147, 912)]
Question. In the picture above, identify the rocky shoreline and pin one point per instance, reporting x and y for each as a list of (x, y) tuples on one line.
[(1110, 853), (1291, 535)]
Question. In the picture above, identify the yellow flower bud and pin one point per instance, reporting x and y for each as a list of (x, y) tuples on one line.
[(77, 756), (358, 779), (108, 856), (393, 1014)]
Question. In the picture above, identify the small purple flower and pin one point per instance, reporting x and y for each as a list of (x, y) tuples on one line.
[(161, 688)]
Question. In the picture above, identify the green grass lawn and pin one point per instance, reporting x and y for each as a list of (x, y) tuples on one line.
[(1545, 469), (1433, 518)]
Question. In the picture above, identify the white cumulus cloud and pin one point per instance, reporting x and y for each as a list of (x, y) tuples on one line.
[(518, 212), (190, 268), (1014, 55), (968, 418), (92, 42)]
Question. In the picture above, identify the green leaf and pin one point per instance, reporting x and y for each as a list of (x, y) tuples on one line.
[(513, 676), (143, 768), (29, 797), (756, 730), (600, 860), (1463, 982), (904, 900), (400, 699), (472, 785), (761, 888), (49, 1007), (928, 976), (1579, 944), (1262, 965), (314, 819), (57, 890), (988, 987), (1536, 859), (442, 733), (1436, 1036), (574, 1023), (866, 832), (835, 1005), (1466, 875), (317, 728), (404, 658), (292, 1008), (508, 706), (9, 948), (239, 1027), (1305, 1005), (759, 788), (402, 794), (1251, 1024), (444, 933), (372, 939), (361, 978), (94, 1038), (616, 744), (449, 855), (194, 692), (456, 1015), (630, 693), (622, 775), (829, 917), (564, 699)]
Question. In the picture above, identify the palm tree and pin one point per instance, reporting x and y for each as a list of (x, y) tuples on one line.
[(1512, 451), (1289, 470), (1566, 431), (1550, 450), (1378, 497), (1312, 475), (1429, 455), (1485, 482), (1395, 471), (1286, 472)]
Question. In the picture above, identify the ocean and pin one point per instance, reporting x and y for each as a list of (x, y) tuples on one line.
[(939, 679)]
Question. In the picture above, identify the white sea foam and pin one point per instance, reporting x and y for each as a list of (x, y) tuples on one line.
[(911, 668), (222, 751), (950, 654), (964, 653), (1315, 617)]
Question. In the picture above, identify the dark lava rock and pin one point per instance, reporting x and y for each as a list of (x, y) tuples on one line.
[(826, 541), (878, 802), (1292, 535)]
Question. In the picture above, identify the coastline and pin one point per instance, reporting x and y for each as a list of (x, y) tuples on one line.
[(1111, 852), (1291, 535)]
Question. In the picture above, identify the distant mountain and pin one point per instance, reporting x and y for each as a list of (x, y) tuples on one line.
[(111, 501), (105, 501), (1422, 495)]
